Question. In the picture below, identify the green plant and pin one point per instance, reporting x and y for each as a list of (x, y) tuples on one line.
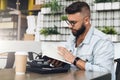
[(108, 30), (49, 31), (54, 6), (69, 0), (64, 17), (46, 5), (100, 1)]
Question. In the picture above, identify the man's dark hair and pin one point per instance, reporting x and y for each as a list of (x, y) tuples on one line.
[(78, 7)]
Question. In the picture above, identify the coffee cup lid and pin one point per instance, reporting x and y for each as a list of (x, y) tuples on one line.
[(21, 53)]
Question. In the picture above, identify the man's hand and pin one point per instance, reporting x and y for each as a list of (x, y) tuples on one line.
[(70, 57), (55, 63), (66, 54)]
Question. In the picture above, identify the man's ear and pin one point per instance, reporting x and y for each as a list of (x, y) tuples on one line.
[(86, 20)]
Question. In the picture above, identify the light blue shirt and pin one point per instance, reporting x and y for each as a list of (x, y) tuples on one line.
[(96, 49)]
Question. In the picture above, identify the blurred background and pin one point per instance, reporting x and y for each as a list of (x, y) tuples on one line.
[(23, 19), (45, 20)]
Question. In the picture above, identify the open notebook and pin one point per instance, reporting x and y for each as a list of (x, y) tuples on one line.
[(52, 52)]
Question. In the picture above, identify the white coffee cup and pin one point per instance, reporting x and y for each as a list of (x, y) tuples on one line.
[(20, 77), (20, 62)]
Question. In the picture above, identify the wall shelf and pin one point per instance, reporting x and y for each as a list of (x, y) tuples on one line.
[(9, 25)]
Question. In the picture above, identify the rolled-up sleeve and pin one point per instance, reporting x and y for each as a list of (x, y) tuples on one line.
[(103, 57)]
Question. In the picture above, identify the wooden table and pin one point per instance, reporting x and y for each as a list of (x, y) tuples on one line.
[(9, 74)]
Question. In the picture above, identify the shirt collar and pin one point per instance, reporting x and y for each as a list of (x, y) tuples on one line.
[(88, 36)]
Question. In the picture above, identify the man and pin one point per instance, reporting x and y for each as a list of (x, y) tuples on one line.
[(87, 48)]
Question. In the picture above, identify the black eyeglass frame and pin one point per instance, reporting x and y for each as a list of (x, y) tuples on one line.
[(72, 23)]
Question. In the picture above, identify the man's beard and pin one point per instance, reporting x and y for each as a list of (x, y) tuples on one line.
[(80, 31)]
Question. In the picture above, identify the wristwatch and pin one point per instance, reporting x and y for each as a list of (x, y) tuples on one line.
[(75, 60)]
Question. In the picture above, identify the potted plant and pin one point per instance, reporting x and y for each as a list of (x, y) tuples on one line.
[(69, 0), (111, 32), (49, 33), (46, 8), (63, 21), (53, 6), (101, 1), (106, 4)]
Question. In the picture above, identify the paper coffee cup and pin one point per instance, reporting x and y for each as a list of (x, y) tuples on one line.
[(20, 77), (20, 62)]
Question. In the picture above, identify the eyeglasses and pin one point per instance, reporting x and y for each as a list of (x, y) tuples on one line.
[(72, 23)]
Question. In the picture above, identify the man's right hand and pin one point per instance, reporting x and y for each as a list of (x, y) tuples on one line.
[(55, 63)]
